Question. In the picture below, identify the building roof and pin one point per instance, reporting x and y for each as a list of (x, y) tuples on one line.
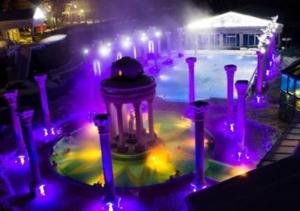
[(229, 20)]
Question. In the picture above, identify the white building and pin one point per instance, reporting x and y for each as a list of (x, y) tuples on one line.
[(229, 30)]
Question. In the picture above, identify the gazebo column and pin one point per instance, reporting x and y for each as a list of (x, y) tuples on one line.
[(138, 120), (169, 49), (41, 80), (35, 186), (199, 109), (120, 123), (230, 70), (241, 87), (103, 124), (191, 64), (151, 118), (11, 98)]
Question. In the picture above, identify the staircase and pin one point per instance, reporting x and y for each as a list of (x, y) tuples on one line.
[(285, 146)]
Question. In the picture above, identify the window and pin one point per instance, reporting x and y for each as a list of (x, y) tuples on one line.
[(284, 79), (297, 91), (291, 88), (251, 40)]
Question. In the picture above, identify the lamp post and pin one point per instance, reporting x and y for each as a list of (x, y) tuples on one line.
[(191, 65), (11, 98), (230, 70), (199, 114), (36, 187), (242, 87), (102, 122), (41, 81)]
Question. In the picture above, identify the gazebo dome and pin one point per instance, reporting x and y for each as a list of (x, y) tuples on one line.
[(126, 68)]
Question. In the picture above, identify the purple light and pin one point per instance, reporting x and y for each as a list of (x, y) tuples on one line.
[(144, 37), (231, 128), (22, 159), (85, 51), (41, 190), (157, 34), (104, 50), (126, 43)]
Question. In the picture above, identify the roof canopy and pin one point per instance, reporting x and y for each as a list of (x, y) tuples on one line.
[(229, 20)]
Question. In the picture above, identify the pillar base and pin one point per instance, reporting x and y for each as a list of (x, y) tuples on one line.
[(111, 204), (168, 61), (196, 186), (21, 159), (38, 190), (180, 55)]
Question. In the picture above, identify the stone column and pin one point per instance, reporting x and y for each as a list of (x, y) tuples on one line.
[(26, 118), (180, 34), (150, 118), (11, 98), (230, 70), (260, 73), (241, 40), (41, 80), (221, 40), (120, 123), (241, 87), (199, 108), (102, 122), (191, 64), (138, 120)]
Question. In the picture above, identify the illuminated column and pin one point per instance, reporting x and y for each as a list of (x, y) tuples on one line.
[(180, 34), (191, 64), (169, 49), (102, 122), (260, 73), (138, 120), (241, 87), (158, 45), (150, 118), (11, 98), (230, 70), (26, 117), (120, 123), (199, 108), (41, 80)]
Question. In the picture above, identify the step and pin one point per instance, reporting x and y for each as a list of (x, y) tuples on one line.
[(289, 143), (285, 150), (277, 157), (267, 162), (295, 130), (292, 136)]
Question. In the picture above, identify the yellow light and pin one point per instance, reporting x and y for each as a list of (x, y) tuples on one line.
[(159, 159), (240, 171), (120, 73)]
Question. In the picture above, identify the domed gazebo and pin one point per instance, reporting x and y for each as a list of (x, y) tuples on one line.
[(129, 85)]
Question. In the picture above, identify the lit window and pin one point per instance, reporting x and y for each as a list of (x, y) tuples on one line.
[(284, 79)]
